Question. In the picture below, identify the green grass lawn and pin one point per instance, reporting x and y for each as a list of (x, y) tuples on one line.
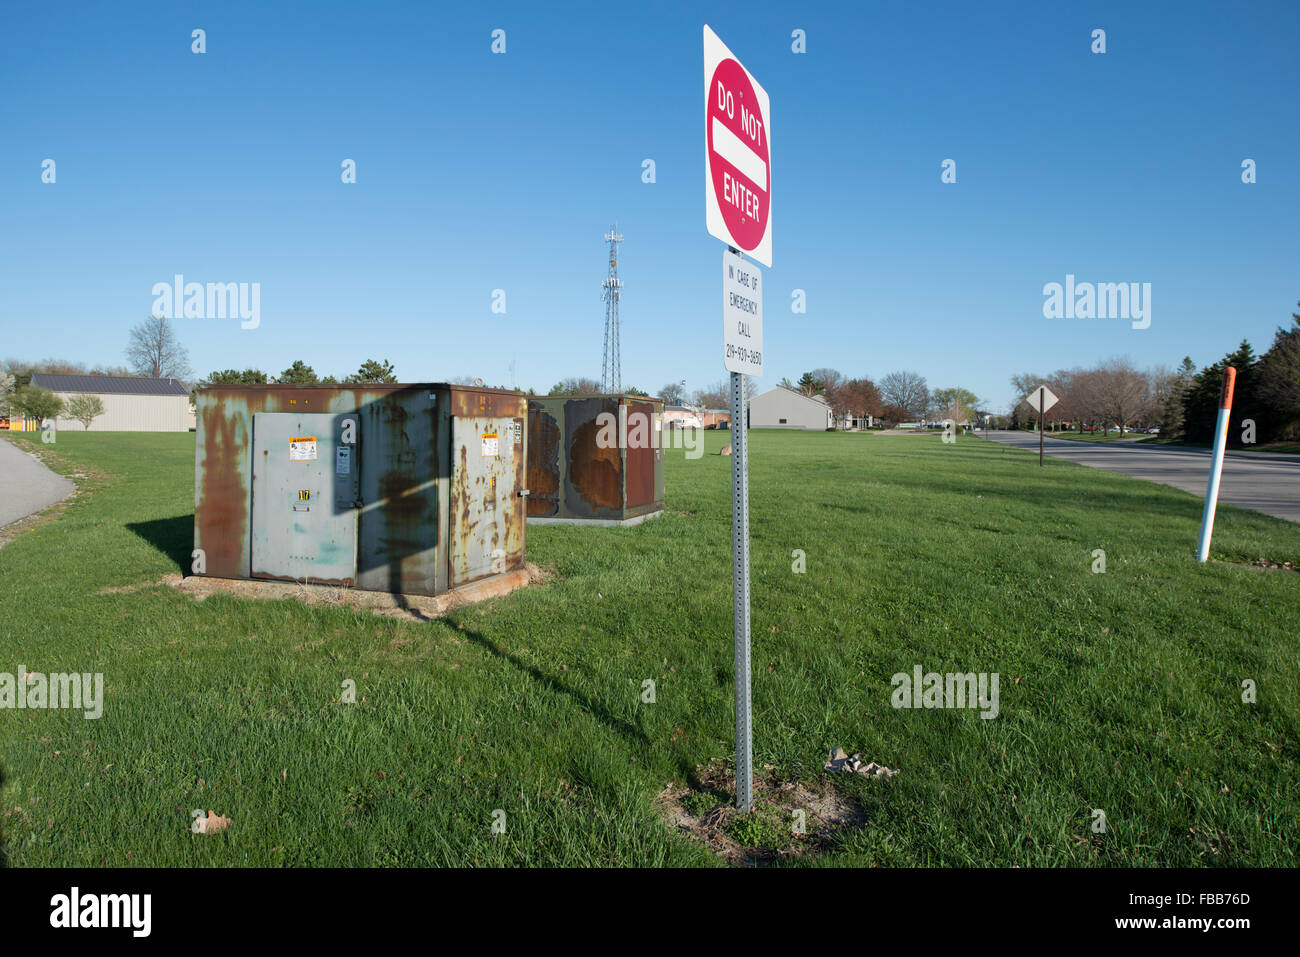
[(1118, 691)]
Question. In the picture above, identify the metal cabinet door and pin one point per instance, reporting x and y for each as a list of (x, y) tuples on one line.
[(304, 498), (545, 462), (642, 456), (661, 437), (486, 514)]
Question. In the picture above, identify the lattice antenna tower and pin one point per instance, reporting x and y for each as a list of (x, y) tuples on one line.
[(611, 366)]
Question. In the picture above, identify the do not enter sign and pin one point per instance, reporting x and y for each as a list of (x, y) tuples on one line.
[(738, 155)]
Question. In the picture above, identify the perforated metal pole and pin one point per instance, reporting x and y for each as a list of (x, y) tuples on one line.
[(740, 575)]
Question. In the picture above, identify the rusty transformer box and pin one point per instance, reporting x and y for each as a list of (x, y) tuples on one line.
[(595, 459), (414, 489)]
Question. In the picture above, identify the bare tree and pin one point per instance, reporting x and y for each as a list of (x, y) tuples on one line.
[(153, 350), (832, 384), (673, 394), (1123, 393), (858, 398), (1070, 386), (716, 396), (906, 391)]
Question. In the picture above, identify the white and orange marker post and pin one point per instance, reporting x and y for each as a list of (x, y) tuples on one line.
[(1216, 463)]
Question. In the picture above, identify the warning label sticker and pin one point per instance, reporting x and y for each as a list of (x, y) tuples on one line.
[(343, 460), (489, 444), (302, 448)]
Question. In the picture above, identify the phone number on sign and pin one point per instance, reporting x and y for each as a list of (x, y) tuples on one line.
[(743, 354)]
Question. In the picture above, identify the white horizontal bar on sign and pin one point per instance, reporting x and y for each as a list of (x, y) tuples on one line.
[(739, 154)]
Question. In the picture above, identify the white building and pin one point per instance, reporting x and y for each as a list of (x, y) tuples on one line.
[(782, 408), (853, 423), (131, 404), (682, 417)]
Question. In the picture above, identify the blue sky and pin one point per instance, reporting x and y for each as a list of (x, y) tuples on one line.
[(478, 172)]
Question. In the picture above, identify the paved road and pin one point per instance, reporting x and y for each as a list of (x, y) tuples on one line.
[(26, 486), (1263, 481)]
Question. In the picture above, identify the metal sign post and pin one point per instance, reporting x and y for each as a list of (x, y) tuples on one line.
[(1042, 395), (742, 352), (737, 205), (1040, 400), (740, 576)]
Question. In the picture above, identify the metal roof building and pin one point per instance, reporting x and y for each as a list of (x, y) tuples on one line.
[(131, 404), (782, 408)]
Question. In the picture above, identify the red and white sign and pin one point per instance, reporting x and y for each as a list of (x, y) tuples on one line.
[(737, 153)]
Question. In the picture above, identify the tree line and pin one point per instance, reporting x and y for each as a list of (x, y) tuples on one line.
[(1182, 402), (900, 396), (300, 373)]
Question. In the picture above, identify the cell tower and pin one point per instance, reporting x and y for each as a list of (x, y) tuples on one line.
[(611, 371)]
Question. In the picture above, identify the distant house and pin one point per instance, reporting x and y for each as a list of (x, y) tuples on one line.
[(131, 404), (716, 418), (782, 408), (852, 423), (685, 417), (681, 417)]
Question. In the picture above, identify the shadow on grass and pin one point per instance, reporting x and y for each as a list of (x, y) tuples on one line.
[(631, 732), (174, 537)]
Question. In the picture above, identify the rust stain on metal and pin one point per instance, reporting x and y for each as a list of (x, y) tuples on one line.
[(640, 453), (487, 528), (221, 513), (594, 457), (595, 472), (543, 461)]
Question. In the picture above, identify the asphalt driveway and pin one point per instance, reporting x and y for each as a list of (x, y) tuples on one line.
[(27, 486), (1263, 481)]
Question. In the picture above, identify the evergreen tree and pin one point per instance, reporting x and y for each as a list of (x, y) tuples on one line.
[(298, 374), (1172, 424), (1201, 405), (1277, 384)]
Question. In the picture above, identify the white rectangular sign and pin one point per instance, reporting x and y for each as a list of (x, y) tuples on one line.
[(742, 315)]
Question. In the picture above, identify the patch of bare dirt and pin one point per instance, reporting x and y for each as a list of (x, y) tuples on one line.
[(704, 810), (173, 580), (1267, 564), (412, 608), (541, 574)]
